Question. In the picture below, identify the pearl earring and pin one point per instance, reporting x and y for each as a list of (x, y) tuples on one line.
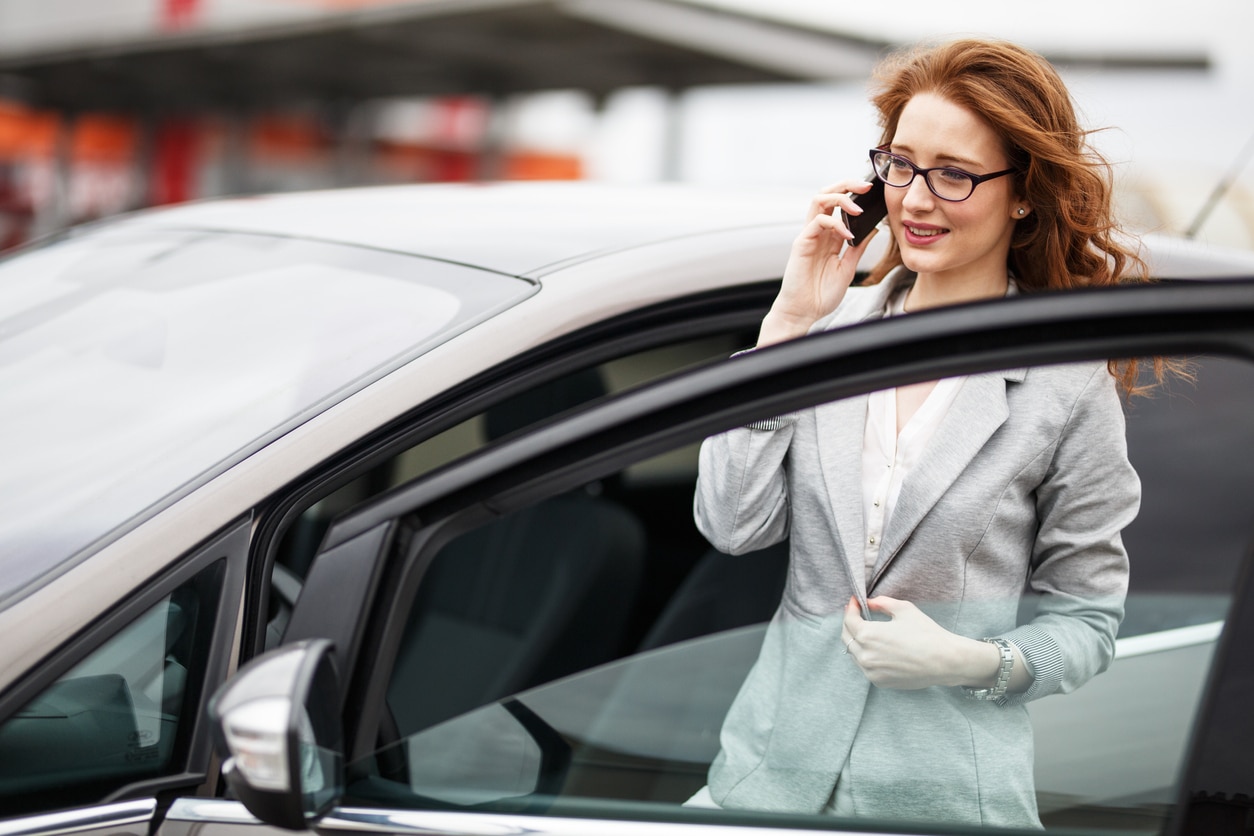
[(1022, 211)]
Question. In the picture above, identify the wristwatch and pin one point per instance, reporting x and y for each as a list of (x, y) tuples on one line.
[(998, 691)]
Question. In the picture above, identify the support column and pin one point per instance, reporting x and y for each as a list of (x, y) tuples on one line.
[(673, 137), (56, 214)]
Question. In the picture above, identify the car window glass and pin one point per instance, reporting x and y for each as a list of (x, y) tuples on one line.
[(594, 651), (118, 716), (540, 403), (176, 353)]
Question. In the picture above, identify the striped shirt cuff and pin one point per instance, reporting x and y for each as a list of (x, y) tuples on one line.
[(772, 424), (767, 424), (1044, 660)]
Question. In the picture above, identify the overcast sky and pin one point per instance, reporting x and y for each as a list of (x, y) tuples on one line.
[(1104, 26)]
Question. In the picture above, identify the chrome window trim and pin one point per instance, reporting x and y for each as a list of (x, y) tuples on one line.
[(1174, 639), (139, 811), (441, 823), (444, 823), (216, 810)]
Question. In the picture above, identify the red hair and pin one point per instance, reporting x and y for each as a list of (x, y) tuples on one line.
[(1071, 238)]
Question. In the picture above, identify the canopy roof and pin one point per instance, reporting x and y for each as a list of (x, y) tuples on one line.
[(439, 47)]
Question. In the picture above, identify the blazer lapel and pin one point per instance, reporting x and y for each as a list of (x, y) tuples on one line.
[(976, 413), (840, 428)]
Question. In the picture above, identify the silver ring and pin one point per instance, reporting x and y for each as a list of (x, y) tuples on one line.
[(848, 645)]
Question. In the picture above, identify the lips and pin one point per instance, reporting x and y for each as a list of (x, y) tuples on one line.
[(922, 235)]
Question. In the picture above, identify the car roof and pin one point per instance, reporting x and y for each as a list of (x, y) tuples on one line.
[(532, 229), (520, 229)]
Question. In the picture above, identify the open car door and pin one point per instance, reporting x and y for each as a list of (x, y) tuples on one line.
[(497, 664)]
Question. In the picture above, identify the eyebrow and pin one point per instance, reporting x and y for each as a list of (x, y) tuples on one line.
[(948, 158)]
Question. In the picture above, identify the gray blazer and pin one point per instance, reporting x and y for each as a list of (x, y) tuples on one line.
[(1022, 491)]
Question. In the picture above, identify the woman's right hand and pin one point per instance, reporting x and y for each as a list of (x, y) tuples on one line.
[(820, 267)]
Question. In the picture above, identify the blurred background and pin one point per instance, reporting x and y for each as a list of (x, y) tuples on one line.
[(109, 106)]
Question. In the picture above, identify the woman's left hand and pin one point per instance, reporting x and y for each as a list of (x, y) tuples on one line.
[(911, 650)]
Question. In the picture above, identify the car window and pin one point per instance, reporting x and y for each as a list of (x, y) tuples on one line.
[(120, 715), (537, 404), (135, 364), (593, 651)]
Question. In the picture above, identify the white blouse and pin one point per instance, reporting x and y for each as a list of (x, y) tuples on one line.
[(887, 457)]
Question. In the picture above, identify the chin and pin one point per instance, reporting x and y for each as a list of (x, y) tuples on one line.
[(921, 262)]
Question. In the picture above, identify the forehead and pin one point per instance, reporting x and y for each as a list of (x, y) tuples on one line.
[(932, 127)]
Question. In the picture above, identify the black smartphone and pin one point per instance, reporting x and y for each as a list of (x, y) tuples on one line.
[(874, 210)]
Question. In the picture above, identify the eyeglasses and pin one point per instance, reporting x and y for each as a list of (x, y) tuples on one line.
[(952, 184)]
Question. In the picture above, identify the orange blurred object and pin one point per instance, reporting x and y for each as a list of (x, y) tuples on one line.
[(26, 133), (104, 138), (288, 137), (530, 165)]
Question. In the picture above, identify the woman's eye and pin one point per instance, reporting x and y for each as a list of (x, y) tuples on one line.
[(899, 164), (953, 175)]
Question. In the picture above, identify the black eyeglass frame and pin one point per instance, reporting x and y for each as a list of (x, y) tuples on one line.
[(976, 179)]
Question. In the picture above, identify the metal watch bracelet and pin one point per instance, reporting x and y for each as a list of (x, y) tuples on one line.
[(998, 691)]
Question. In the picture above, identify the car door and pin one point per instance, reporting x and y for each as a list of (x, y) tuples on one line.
[(571, 748)]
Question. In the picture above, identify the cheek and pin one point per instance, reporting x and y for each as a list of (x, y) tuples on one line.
[(982, 220), (892, 199)]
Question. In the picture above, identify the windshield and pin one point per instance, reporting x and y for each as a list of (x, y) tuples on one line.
[(135, 364)]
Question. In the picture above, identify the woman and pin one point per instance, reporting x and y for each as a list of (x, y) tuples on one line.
[(892, 680)]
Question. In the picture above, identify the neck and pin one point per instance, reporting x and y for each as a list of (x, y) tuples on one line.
[(931, 291)]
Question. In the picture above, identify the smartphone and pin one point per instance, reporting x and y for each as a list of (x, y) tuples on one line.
[(874, 210)]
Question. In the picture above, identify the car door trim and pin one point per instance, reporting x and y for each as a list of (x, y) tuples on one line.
[(444, 823), (119, 814), (209, 810), (459, 823), (1163, 640)]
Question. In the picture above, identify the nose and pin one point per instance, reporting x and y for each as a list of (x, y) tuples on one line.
[(918, 197)]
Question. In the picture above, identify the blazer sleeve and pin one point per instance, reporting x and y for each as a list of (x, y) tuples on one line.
[(1079, 568), (741, 502)]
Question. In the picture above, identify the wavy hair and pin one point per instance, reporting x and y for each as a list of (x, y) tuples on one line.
[(1071, 238)]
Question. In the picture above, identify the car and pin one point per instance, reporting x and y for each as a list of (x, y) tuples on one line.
[(386, 494)]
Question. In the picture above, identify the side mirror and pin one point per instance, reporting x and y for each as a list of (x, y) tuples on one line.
[(278, 729)]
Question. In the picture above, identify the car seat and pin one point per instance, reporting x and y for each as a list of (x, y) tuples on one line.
[(538, 594), (722, 592)]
